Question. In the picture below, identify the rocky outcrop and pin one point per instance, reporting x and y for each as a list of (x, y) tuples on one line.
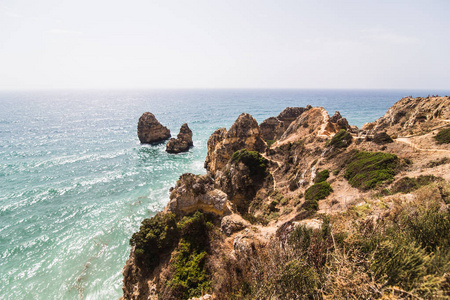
[(197, 192), (274, 127), (243, 134), (290, 114), (240, 183), (149, 129), (411, 116), (183, 141), (314, 121)]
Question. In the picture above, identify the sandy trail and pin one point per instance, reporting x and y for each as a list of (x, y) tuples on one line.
[(407, 140)]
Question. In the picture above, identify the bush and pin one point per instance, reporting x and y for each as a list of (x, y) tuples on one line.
[(190, 277), (253, 160), (310, 205), (340, 140), (366, 170), (407, 184), (318, 191), (155, 237), (443, 136), (438, 162), (322, 176)]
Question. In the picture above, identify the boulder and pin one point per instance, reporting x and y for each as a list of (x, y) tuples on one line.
[(149, 129), (243, 134), (183, 141)]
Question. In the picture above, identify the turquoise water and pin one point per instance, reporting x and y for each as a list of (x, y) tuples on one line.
[(75, 183)]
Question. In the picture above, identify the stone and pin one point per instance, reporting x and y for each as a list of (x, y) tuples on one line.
[(150, 130), (183, 141)]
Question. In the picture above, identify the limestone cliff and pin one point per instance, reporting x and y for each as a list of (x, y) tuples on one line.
[(325, 206)]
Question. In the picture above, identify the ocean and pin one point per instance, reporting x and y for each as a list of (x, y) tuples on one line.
[(75, 183)]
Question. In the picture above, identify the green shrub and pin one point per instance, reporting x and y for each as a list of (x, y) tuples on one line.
[(407, 184), (322, 176), (190, 277), (310, 205), (253, 160), (443, 136), (318, 191), (340, 140), (365, 170), (155, 237), (438, 162)]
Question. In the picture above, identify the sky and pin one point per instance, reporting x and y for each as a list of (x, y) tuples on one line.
[(146, 44)]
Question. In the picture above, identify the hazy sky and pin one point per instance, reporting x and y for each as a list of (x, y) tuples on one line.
[(224, 44)]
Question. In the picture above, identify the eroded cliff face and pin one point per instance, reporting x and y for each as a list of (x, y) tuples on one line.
[(275, 219)]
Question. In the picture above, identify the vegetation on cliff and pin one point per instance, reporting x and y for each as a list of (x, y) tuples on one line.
[(155, 237), (366, 170), (341, 139), (253, 160), (443, 136), (189, 239), (318, 191), (406, 253)]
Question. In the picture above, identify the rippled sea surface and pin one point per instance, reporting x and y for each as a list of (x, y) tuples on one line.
[(75, 183)]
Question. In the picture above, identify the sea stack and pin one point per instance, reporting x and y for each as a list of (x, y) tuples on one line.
[(183, 141), (150, 130)]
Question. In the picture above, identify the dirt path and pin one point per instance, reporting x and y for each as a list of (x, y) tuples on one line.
[(407, 140)]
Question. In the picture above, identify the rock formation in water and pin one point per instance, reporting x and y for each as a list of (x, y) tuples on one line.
[(150, 130), (183, 141), (324, 206)]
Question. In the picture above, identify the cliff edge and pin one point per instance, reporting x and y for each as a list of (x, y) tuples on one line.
[(310, 209)]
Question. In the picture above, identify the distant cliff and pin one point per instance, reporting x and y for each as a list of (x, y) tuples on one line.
[(305, 206)]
